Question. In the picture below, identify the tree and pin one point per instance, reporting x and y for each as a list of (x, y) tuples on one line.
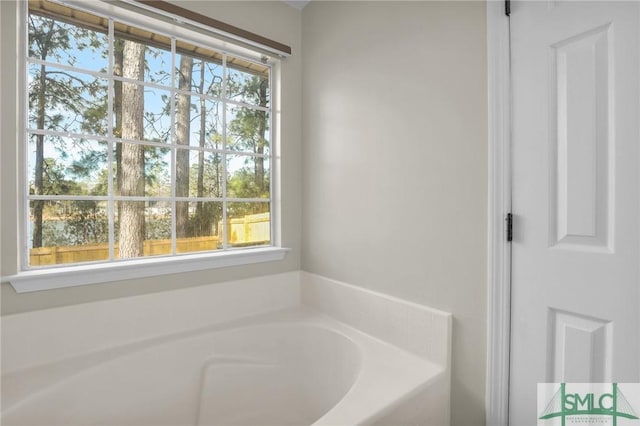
[(136, 165), (207, 176), (54, 180), (82, 221), (118, 63), (183, 126), (251, 125), (131, 229), (262, 128), (207, 214), (53, 90)]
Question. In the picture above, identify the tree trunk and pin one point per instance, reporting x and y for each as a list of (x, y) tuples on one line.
[(262, 128), (38, 180), (201, 220), (183, 128), (118, 53), (38, 184), (131, 232)]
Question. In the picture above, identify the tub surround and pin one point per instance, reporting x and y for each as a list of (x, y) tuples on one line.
[(393, 356), (414, 328), (35, 338), (421, 330)]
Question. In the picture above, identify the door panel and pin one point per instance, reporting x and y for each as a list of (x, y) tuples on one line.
[(575, 287), (580, 124)]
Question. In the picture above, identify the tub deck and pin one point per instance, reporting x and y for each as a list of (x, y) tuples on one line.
[(363, 385)]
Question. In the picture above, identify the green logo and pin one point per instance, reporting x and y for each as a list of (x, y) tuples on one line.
[(565, 404)]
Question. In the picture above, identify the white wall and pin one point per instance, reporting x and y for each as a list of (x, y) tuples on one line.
[(395, 170), (272, 19)]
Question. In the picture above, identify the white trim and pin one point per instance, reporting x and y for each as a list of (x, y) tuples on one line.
[(111, 204), (35, 280), (275, 149), (499, 204), (225, 223), (22, 135)]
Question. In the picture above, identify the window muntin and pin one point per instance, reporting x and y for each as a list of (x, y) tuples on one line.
[(141, 143)]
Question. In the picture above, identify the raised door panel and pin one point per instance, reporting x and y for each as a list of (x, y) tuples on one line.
[(580, 115)]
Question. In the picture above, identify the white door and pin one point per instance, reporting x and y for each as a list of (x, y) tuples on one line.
[(575, 256)]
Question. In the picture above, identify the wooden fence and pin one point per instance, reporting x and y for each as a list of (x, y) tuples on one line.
[(252, 228), (245, 231)]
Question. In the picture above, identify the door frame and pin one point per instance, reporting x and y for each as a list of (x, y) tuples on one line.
[(499, 204)]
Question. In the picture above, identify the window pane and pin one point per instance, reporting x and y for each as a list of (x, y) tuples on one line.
[(248, 82), (143, 228), (157, 166), (157, 118), (142, 170), (247, 176), (205, 66), (158, 65), (142, 113), (204, 120), (68, 44), (198, 226), (63, 232), (67, 101), (139, 61), (247, 130), (248, 224), (67, 166), (198, 174)]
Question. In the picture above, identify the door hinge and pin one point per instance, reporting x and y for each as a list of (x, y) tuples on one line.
[(509, 220), (507, 7)]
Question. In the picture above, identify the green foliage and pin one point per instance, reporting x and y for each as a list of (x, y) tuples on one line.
[(243, 185), (68, 97), (55, 182), (156, 170), (158, 224), (70, 222), (247, 131), (87, 223)]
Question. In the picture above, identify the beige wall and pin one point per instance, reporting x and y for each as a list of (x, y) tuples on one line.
[(394, 154), (395, 170), (1, 114), (272, 19)]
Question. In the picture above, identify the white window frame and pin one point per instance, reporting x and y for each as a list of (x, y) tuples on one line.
[(58, 276)]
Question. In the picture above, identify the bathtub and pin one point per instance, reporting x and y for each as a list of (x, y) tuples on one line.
[(292, 366)]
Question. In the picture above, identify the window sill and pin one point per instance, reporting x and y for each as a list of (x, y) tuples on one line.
[(71, 276)]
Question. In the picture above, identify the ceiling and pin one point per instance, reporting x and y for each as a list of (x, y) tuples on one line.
[(298, 4)]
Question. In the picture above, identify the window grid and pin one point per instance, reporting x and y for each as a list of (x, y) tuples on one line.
[(74, 135), (110, 190), (225, 236), (112, 141), (99, 74), (174, 152)]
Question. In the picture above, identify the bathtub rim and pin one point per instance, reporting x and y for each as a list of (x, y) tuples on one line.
[(299, 317)]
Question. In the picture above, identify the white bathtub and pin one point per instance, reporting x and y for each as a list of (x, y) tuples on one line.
[(294, 366)]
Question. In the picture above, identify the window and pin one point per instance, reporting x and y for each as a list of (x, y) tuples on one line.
[(141, 143)]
